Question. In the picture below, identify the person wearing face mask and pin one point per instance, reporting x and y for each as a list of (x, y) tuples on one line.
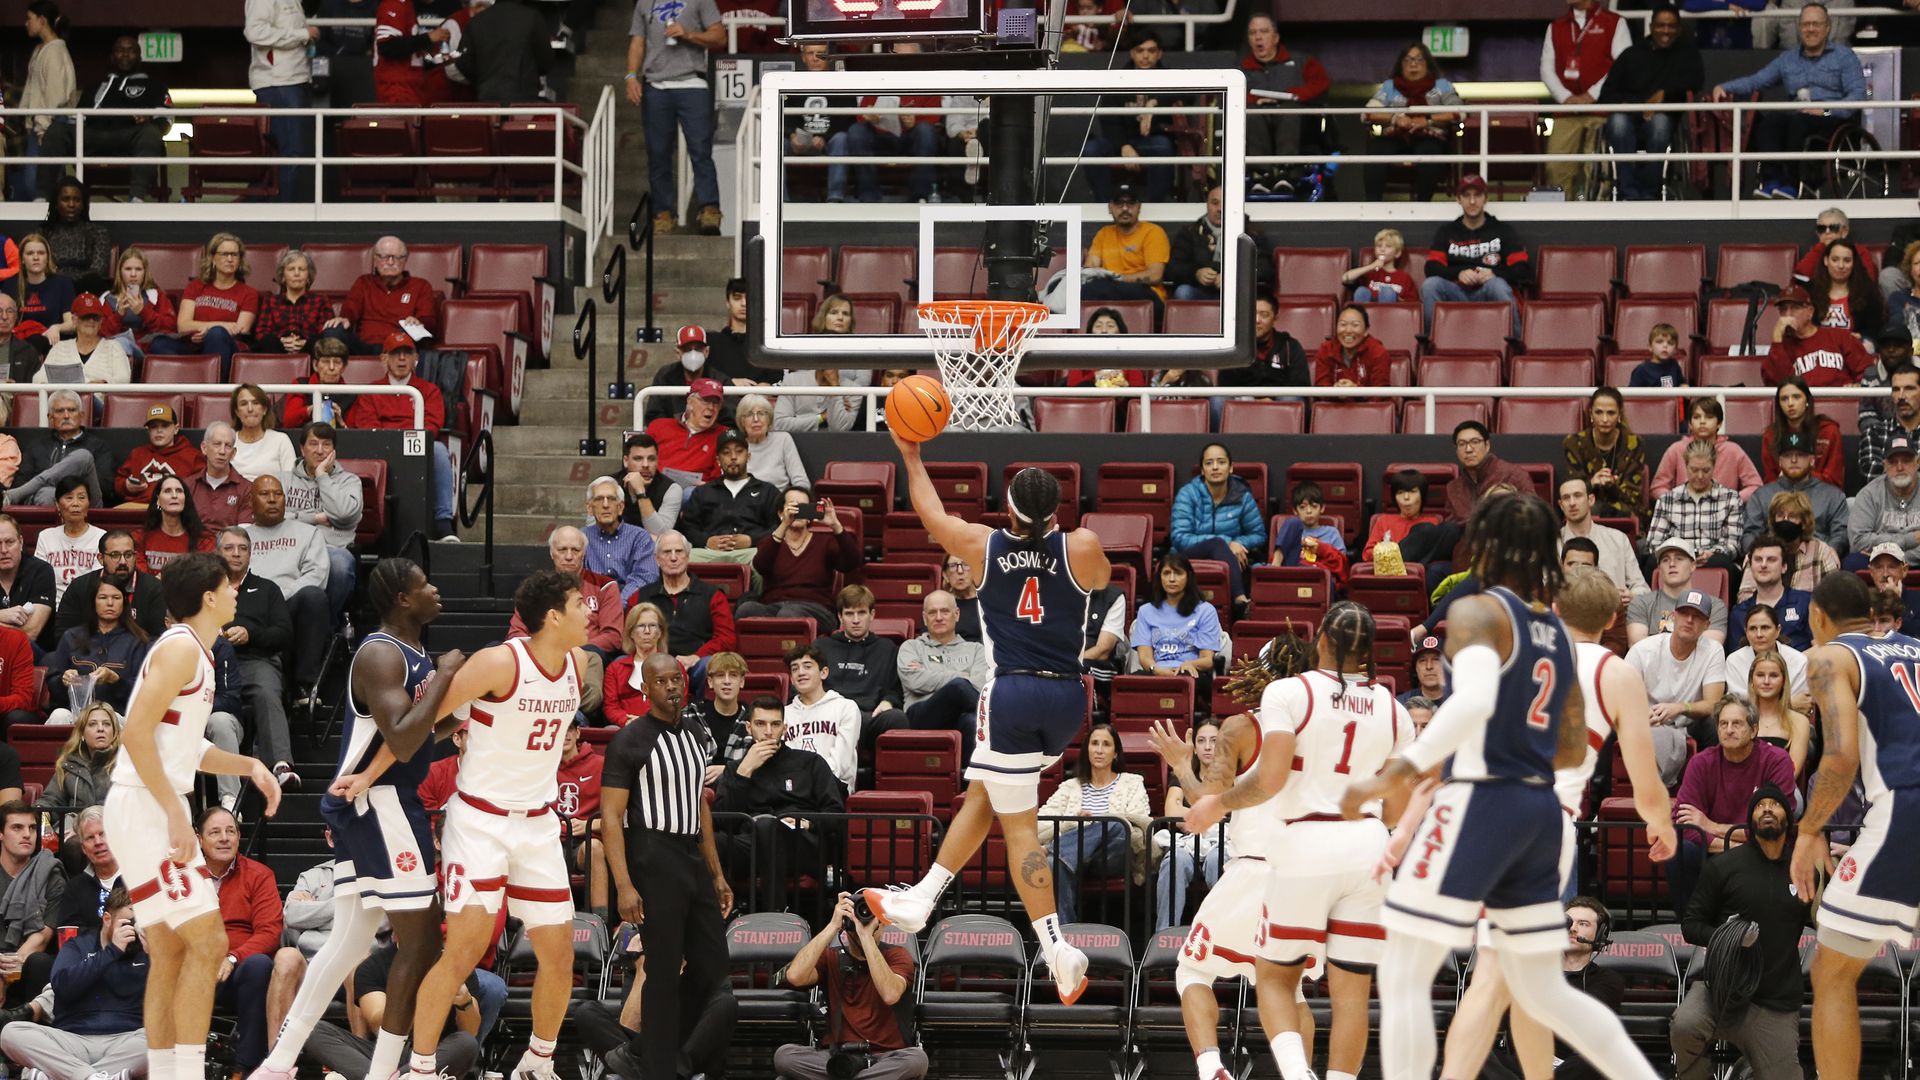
[(1811, 557), (1828, 503), (694, 352)]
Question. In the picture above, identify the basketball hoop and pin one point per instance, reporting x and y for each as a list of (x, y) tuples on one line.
[(979, 344)]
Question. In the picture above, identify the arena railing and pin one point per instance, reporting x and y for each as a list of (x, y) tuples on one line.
[(1190, 24), (312, 392), (1429, 395)]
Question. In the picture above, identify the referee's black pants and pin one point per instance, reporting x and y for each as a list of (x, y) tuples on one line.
[(682, 924)]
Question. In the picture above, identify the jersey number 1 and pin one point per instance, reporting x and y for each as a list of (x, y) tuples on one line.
[(1537, 717), (1029, 606)]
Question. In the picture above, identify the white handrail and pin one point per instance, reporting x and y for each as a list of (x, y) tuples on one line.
[(1430, 395), (313, 391), (734, 20)]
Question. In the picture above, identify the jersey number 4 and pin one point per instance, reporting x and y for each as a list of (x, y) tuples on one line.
[(1537, 717), (546, 731), (1029, 607)]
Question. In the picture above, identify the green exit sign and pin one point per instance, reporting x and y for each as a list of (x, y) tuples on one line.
[(164, 47), (1448, 42)]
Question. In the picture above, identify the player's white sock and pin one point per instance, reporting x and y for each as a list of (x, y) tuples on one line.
[(540, 1046), (190, 1062), (387, 1048), (423, 1064), (1047, 929), (930, 887), (1208, 1063), (1290, 1055), (160, 1064)]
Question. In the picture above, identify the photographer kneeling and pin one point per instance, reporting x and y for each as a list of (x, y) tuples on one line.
[(865, 981)]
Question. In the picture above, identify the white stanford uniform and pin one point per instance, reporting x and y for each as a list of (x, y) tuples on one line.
[(499, 836), (162, 890), (1221, 942), (1321, 899)]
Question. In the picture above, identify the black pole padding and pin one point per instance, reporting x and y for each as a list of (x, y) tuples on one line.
[(1010, 250)]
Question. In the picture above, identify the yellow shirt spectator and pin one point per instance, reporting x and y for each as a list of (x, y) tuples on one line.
[(1141, 250)]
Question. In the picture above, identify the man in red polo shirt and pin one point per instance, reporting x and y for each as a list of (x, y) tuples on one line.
[(1822, 355), (395, 412), (689, 443), (1574, 61), (385, 302)]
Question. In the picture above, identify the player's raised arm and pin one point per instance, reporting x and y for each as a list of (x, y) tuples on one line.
[(380, 680), (1626, 698), (169, 667), (1091, 568), (966, 539)]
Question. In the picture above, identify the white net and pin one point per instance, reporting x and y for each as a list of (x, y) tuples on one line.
[(979, 344)]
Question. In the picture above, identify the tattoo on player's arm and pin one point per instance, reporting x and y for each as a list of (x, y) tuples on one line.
[(1834, 778), (1245, 793)]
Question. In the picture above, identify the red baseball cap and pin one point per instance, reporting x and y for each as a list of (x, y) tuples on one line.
[(399, 341), (87, 305), (708, 389), (692, 335)]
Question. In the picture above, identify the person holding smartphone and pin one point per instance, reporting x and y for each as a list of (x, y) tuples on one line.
[(798, 561), (100, 980)]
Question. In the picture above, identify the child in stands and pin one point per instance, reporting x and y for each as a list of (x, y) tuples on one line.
[(1410, 513), (1380, 281), (1662, 367), (1302, 540)]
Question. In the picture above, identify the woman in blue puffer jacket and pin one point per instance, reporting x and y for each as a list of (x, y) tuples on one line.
[(1216, 517)]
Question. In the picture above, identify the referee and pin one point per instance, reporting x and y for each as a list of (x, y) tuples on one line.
[(657, 764)]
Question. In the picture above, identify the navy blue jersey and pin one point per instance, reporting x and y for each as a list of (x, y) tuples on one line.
[(1033, 613), (1889, 711), (362, 737), (1523, 733)]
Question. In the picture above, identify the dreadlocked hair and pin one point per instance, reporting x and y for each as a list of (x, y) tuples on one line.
[(1516, 543), (1348, 627), (1032, 500), (388, 580), (1287, 655)]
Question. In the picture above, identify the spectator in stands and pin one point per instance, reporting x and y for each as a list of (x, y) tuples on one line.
[(1665, 68), (71, 545), (1883, 511), (601, 594), (1481, 470), (80, 244), (652, 498), (864, 981), (293, 556), (624, 696), (727, 345), (18, 358), (388, 411), (1881, 424), (1718, 782), (819, 719), (1702, 512), (1431, 679), (1106, 321), (172, 528), (1829, 506), (26, 584), (327, 368), (309, 907), (1614, 551), (776, 786), (407, 57), (99, 984), (97, 660), (1661, 368), (1575, 60), (1278, 359), (1121, 132), (772, 456), (1685, 669), (1888, 566), (942, 673), (137, 309), (878, 134), (1845, 295), (1416, 83), (1135, 252), (699, 616), (281, 76), (258, 979), (1751, 882), (1731, 466), (504, 53), (1216, 517), (82, 774), (1609, 456), (1195, 258), (1767, 568), (727, 518), (119, 556), (218, 310), (476, 1005), (578, 805), (1352, 356), (861, 665), (1776, 721), (1762, 626), (86, 357), (20, 696), (626, 553), (221, 496), (125, 87), (1818, 69), (688, 444), (46, 294), (1831, 224), (386, 302), (723, 715), (165, 454), (823, 412), (260, 449), (693, 354), (1380, 280), (325, 494), (1179, 632), (1288, 83), (1651, 612), (1411, 526), (292, 318), (1476, 256), (956, 577), (35, 883), (50, 85), (1100, 787), (664, 76), (83, 902), (1302, 539)]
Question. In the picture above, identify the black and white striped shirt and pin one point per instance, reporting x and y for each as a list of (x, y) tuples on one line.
[(662, 767)]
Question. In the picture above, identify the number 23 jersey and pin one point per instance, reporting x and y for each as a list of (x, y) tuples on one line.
[(514, 741)]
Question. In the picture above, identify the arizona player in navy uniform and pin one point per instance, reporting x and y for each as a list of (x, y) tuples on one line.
[(382, 841), (1492, 838), (1868, 693), (1034, 582)]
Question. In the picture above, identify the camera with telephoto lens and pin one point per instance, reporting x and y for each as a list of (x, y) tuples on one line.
[(849, 1061)]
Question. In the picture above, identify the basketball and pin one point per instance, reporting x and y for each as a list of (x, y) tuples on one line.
[(918, 408)]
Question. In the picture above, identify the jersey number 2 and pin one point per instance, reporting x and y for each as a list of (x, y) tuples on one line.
[(1029, 607), (1537, 717), (546, 731)]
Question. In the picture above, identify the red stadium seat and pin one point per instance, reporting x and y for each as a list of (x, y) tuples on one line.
[(202, 369), (1389, 595), (904, 537), (1353, 418), (1551, 369), (897, 630), (1342, 484), (238, 136), (39, 747), (770, 683), (335, 266), (1748, 416), (518, 271), (172, 265), (1124, 537), (1137, 487), (1397, 326), (204, 408), (891, 835), (1210, 580), (806, 270), (871, 472), (1448, 413), (732, 579), (875, 313), (919, 762), (1711, 580), (958, 273), (262, 258), (1737, 264), (1193, 317), (1461, 369), (1470, 327), (364, 141), (261, 368), (373, 494), (1139, 700), (1665, 270), (1727, 323), (443, 266), (867, 498), (1136, 314), (1656, 416), (456, 134), (1635, 317), (1067, 472), (1731, 371), (876, 270), (1541, 473), (1308, 318), (1438, 474), (130, 410), (498, 325), (796, 313), (531, 134), (900, 588), (1272, 589), (1311, 272), (1181, 416), (1844, 413), (764, 642), (1076, 415), (1568, 270), (1573, 325), (962, 486), (1263, 418), (1539, 416)]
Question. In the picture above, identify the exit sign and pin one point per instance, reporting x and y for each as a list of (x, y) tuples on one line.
[(1448, 42), (164, 47)]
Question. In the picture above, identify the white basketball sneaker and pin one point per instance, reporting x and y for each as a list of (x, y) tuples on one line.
[(899, 906), (1069, 966)]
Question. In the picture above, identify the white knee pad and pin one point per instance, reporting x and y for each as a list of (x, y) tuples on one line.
[(1185, 978), (1847, 944), (1013, 797)]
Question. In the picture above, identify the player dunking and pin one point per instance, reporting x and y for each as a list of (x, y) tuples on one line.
[(383, 840), (1223, 939), (1493, 836), (163, 745), (1868, 693), (498, 837), (1034, 582), (1616, 705), (1321, 900)]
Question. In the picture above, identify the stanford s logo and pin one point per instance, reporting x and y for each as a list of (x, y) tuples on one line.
[(1199, 943), (175, 880)]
